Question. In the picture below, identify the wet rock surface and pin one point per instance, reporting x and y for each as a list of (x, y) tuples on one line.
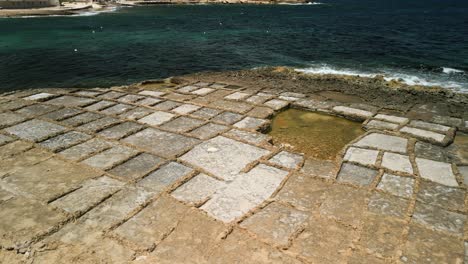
[(139, 175)]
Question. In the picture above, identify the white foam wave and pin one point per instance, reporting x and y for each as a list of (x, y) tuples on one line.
[(78, 14), (406, 78), (448, 70)]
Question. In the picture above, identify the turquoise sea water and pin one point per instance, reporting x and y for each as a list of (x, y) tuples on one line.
[(423, 42)]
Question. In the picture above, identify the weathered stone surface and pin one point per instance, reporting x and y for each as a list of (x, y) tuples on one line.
[(117, 109), (45, 184), (359, 257), (8, 119), (277, 104), (152, 93), (121, 130), (152, 224), (315, 105), (148, 101), (423, 134), (427, 246), (393, 119), (187, 89), (90, 194), (89, 93), (130, 98), (71, 101), (292, 94), (64, 141), (198, 190), (345, 204), (99, 105), (82, 119), (303, 191), (259, 98), (35, 130), (223, 157), (36, 110), (22, 220), (182, 124), (100, 124), (320, 168), (166, 106), (276, 223), (196, 232), (447, 120), (251, 123), (185, 109), (111, 95), (161, 143), (397, 162), (232, 106), (463, 171), (287, 159), (62, 114), (208, 131), (261, 112), (247, 136), (110, 157), (84, 149), (397, 185), (14, 148), (430, 151), (227, 118), (5, 139), (389, 205), (28, 158), (355, 174), (429, 126), (381, 125), (362, 156), (156, 118), (353, 112), (440, 195), (13, 105), (439, 219), (384, 142), (203, 91), (39, 96), (244, 193), (165, 177), (206, 113), (136, 167), (382, 235), (237, 96), (136, 113), (239, 247), (436, 171), (324, 241)]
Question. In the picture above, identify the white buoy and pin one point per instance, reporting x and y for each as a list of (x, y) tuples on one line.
[(76, 50)]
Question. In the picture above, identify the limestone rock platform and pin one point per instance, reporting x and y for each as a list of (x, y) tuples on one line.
[(184, 174)]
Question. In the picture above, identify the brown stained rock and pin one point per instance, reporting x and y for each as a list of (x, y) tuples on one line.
[(303, 191), (25, 159), (382, 235), (152, 224), (261, 112), (359, 257), (239, 247), (427, 246), (48, 180), (320, 168), (388, 205), (8, 119), (22, 220), (324, 241), (345, 204), (196, 232), (14, 148), (276, 223), (232, 106)]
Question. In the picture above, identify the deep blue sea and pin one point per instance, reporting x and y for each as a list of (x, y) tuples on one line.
[(419, 41)]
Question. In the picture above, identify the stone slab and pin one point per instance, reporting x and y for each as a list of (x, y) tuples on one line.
[(136, 113), (208, 131), (361, 156), (161, 143), (117, 109), (185, 109), (287, 159), (71, 101), (90, 194), (248, 136), (424, 134), (355, 174), (232, 106), (391, 118), (121, 130), (276, 223), (152, 93), (436, 171), (35, 130), (440, 195), (110, 157), (384, 142), (203, 91), (28, 158), (198, 190), (320, 168), (62, 114), (227, 118), (429, 126), (165, 177), (14, 148), (99, 105), (261, 112), (382, 235), (182, 124), (97, 125), (397, 185), (277, 104), (5, 139), (381, 125), (36, 110), (353, 112), (345, 204), (39, 96), (82, 119), (156, 118), (225, 158), (64, 141), (251, 123), (388, 205), (8, 119), (237, 96), (152, 224), (136, 167), (130, 98), (206, 113), (439, 219), (397, 162), (87, 148), (166, 105)]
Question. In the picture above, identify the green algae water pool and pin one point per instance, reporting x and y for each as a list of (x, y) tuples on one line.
[(418, 41), (318, 136)]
